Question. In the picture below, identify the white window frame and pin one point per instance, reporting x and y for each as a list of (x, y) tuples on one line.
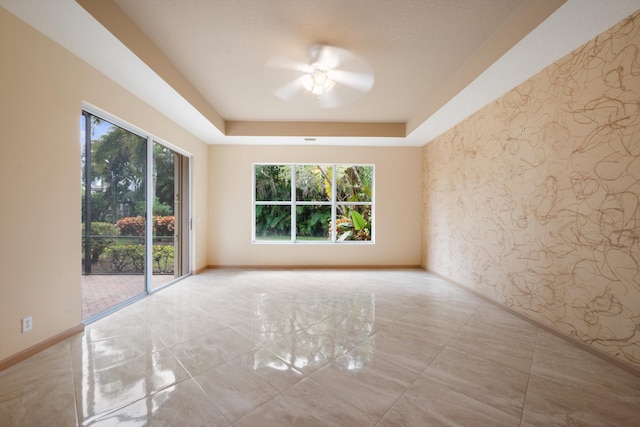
[(293, 203)]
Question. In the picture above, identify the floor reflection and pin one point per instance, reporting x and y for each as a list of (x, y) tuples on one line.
[(123, 380), (314, 331), (253, 348)]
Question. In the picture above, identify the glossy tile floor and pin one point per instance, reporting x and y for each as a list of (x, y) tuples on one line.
[(307, 348)]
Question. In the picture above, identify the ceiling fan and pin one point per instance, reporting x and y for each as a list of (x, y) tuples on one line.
[(330, 77)]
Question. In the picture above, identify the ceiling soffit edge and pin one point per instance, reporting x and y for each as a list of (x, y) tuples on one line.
[(107, 13), (526, 19)]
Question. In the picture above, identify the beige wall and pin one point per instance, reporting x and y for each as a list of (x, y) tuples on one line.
[(397, 208), (534, 201), (42, 87)]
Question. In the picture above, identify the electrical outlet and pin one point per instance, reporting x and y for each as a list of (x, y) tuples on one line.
[(27, 324)]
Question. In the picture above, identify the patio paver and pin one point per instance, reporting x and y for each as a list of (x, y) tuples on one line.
[(103, 291)]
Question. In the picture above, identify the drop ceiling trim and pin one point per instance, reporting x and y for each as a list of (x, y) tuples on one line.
[(332, 129)]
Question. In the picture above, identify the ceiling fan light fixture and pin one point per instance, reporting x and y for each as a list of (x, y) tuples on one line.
[(334, 76), (318, 80)]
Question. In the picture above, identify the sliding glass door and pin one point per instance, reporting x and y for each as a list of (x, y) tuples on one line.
[(134, 215), (170, 216)]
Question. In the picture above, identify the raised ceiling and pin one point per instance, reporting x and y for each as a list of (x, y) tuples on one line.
[(202, 63), (222, 47)]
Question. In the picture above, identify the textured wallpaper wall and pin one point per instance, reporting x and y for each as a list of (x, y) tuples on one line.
[(534, 201)]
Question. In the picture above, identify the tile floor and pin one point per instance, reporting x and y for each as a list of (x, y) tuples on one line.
[(315, 348)]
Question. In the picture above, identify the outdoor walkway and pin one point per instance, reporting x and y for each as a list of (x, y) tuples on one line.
[(103, 291)]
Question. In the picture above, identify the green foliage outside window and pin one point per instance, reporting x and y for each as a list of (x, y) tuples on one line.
[(102, 236), (273, 222), (312, 201), (273, 182), (115, 183), (130, 258)]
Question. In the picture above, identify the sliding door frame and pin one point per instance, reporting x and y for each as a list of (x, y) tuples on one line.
[(186, 233)]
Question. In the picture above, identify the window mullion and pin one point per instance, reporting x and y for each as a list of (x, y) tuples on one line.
[(254, 203), (293, 202), (334, 209), (149, 197)]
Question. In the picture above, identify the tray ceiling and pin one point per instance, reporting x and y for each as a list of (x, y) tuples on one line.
[(202, 63)]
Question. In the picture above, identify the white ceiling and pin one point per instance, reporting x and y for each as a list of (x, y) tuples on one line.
[(414, 47), (222, 47)]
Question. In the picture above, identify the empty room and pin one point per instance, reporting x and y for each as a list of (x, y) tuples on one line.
[(338, 213)]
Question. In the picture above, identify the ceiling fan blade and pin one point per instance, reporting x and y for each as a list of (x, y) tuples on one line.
[(329, 56), (329, 100), (284, 63), (358, 81), (289, 90)]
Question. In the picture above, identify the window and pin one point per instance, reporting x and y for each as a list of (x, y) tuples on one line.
[(313, 203)]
